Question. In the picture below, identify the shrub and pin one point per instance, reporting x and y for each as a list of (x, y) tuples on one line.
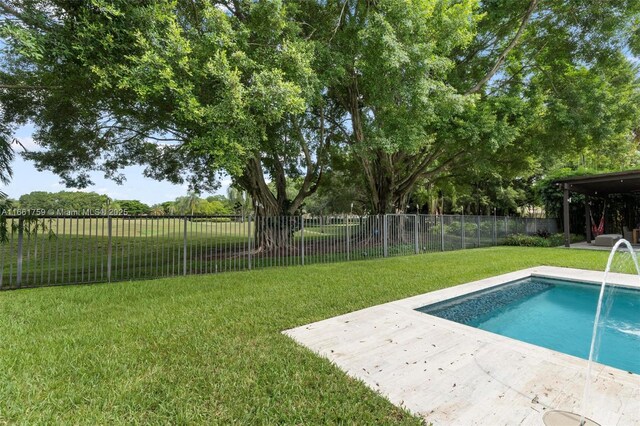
[(486, 227), (543, 233), (470, 228), (453, 228), (436, 229), (526, 241), (538, 240), (212, 219)]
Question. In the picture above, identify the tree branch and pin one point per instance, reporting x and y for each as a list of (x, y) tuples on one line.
[(523, 24), (11, 10), (308, 185), (418, 170), (335, 31), (280, 178), (22, 87)]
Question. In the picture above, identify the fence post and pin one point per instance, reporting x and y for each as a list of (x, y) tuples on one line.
[(184, 246), (442, 232), (464, 243), (506, 226), (302, 240), (415, 226), (109, 248), (249, 242), (535, 225), (20, 242), (478, 220), (495, 229), (385, 236), (348, 240)]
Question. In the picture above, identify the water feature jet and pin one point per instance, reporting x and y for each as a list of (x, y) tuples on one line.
[(566, 418)]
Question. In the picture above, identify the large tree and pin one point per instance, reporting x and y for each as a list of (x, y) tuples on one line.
[(394, 58), (433, 89), (190, 89), (266, 90), (561, 80)]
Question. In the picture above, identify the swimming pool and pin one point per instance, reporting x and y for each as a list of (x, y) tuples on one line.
[(555, 314)]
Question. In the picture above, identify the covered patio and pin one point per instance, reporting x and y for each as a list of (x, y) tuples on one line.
[(598, 186)]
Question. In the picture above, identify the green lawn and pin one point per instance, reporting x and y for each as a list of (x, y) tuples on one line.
[(208, 349), (74, 250)]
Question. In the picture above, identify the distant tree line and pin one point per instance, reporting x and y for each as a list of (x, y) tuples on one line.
[(77, 202)]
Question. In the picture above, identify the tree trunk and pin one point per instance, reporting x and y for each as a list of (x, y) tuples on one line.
[(385, 196), (389, 184), (277, 212), (274, 225), (274, 234), (275, 216)]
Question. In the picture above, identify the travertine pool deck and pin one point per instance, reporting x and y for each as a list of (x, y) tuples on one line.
[(452, 374)]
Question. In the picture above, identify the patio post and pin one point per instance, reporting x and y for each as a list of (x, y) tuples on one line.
[(587, 218), (565, 211)]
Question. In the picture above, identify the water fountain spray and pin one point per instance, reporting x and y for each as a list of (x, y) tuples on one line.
[(565, 418)]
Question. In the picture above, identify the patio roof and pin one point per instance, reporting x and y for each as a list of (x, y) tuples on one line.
[(627, 182), (604, 184)]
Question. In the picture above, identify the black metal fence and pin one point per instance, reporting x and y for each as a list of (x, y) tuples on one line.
[(56, 250)]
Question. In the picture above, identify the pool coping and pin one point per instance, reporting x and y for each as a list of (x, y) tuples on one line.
[(451, 374)]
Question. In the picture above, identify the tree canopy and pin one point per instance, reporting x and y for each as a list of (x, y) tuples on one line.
[(389, 95), (63, 201)]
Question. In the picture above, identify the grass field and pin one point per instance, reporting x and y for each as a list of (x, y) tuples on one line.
[(75, 250), (208, 349)]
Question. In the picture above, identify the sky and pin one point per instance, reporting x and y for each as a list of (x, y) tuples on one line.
[(137, 187)]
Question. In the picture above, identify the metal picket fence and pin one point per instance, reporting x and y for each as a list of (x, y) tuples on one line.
[(58, 250)]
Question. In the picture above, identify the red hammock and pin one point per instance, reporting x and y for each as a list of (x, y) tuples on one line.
[(598, 230)]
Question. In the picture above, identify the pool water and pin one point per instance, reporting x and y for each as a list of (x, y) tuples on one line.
[(554, 314)]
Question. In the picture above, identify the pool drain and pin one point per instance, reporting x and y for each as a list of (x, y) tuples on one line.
[(565, 418)]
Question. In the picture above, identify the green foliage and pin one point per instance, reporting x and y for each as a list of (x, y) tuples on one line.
[(167, 207), (455, 228), (186, 90), (394, 57), (62, 202), (211, 219), (188, 204), (66, 202), (214, 207), (133, 207), (523, 240), (387, 96), (238, 201), (192, 204), (339, 194), (157, 210), (6, 154)]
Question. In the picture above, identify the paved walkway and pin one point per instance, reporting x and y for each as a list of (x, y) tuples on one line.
[(452, 374), (585, 246)]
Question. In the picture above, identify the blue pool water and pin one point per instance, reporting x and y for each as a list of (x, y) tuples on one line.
[(555, 314)]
